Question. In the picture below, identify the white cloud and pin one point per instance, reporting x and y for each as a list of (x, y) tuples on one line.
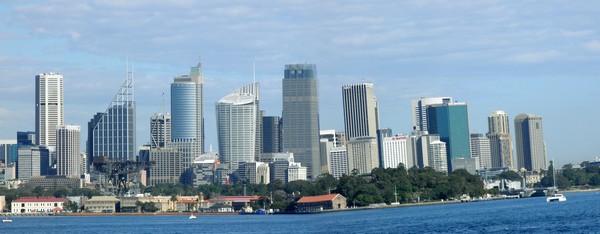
[(534, 57), (593, 46)]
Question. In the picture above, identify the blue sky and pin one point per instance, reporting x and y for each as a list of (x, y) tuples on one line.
[(540, 57)]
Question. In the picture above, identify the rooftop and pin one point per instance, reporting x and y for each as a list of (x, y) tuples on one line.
[(40, 199), (321, 198)]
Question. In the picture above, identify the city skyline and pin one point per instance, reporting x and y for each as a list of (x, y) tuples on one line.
[(430, 49)]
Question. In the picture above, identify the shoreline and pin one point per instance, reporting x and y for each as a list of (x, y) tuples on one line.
[(371, 207)]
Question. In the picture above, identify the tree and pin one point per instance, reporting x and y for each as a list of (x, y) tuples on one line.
[(71, 206), (510, 175)]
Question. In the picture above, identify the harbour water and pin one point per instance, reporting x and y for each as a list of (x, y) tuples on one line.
[(579, 214)]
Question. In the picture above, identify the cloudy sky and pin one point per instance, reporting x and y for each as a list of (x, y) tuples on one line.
[(540, 57)]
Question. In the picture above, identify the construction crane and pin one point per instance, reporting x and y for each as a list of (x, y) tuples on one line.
[(116, 175)]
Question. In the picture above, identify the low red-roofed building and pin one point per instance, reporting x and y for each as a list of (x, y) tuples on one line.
[(28, 205), (320, 203)]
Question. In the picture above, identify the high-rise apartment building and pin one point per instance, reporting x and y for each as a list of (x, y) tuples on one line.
[(437, 156), (338, 162), (49, 109), (480, 148), (419, 110), (236, 126), (69, 160), (160, 130), (531, 149), (113, 135), (301, 116), (500, 140), (451, 122)]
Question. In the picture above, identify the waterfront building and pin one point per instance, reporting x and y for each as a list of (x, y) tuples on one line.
[(236, 126), (394, 151), (480, 148), (321, 203), (113, 135), (49, 107), (501, 147), (160, 130), (168, 167), (102, 204), (437, 156), (36, 205), (450, 121), (300, 101), (362, 154), (33, 161), (531, 149), (69, 158), (419, 110), (271, 134)]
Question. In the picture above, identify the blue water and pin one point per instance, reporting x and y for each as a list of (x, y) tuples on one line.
[(579, 214)]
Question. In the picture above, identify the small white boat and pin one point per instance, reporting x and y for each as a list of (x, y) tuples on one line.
[(7, 220), (192, 216), (557, 197)]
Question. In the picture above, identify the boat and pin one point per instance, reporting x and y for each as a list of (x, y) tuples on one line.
[(192, 216), (6, 220), (557, 197)]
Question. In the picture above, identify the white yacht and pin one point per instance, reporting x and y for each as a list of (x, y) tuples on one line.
[(557, 197), (192, 216)]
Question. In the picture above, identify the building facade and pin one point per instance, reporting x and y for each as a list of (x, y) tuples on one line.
[(49, 107), (394, 151), (480, 148), (531, 149), (33, 161), (437, 156), (363, 155), (168, 166), (160, 130), (501, 146), (360, 110), (451, 122), (35, 205), (236, 127), (271, 134), (419, 110), (114, 132), (300, 101), (339, 161), (69, 160)]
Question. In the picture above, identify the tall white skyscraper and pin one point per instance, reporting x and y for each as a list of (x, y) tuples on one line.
[(49, 110), (236, 126), (394, 151), (419, 110), (531, 149), (501, 148), (360, 110), (68, 157)]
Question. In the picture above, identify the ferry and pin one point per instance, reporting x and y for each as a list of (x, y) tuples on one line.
[(556, 198)]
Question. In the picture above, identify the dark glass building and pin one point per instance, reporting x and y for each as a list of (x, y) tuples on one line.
[(450, 121)]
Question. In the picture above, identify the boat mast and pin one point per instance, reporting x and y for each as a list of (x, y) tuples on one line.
[(396, 194)]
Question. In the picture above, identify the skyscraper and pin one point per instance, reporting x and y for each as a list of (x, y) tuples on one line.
[(271, 134), (187, 115), (437, 156), (26, 138), (451, 121), (33, 161), (89, 143), (480, 148), (500, 141), (49, 110), (236, 126), (394, 151), (419, 110), (300, 115), (360, 110), (531, 150), (160, 130), (69, 159), (114, 132)]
